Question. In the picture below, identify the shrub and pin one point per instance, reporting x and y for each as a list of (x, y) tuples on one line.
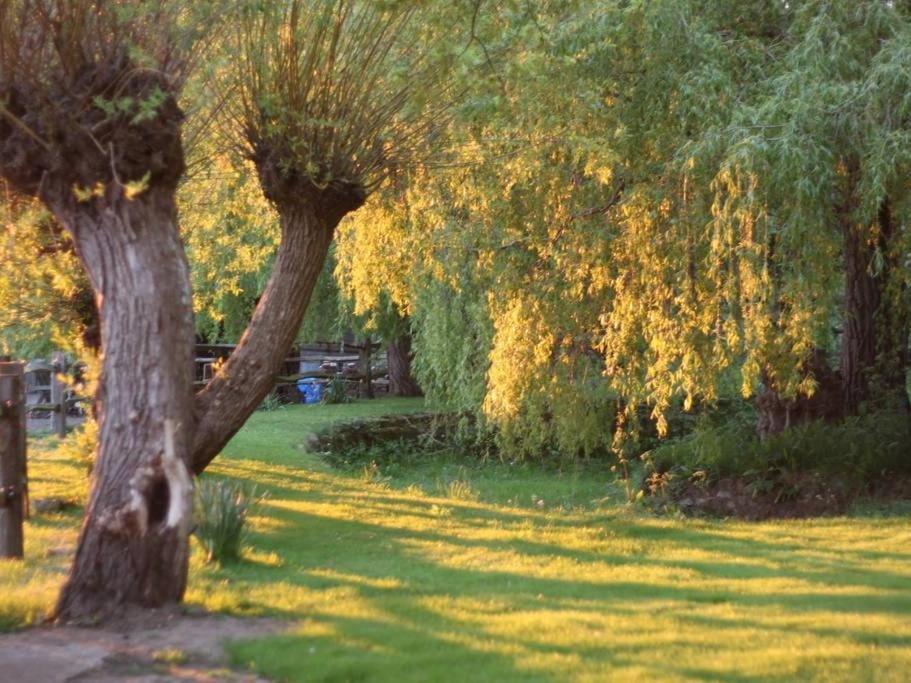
[(271, 402), (860, 449), (336, 391), (80, 444), (222, 508)]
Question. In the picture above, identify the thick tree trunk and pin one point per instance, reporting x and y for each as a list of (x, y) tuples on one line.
[(249, 374), (875, 338), (399, 356), (862, 299), (134, 544)]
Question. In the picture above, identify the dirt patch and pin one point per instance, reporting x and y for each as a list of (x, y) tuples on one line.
[(767, 495), (144, 647), (801, 497)]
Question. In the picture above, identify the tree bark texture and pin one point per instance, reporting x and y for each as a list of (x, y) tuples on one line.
[(399, 357), (249, 373), (134, 545), (875, 338)]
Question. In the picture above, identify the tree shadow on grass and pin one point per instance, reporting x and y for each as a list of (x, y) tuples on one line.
[(389, 589)]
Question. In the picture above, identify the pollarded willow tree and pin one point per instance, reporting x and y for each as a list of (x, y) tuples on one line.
[(330, 98), (91, 126)]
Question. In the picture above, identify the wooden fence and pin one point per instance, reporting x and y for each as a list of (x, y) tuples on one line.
[(45, 392), (13, 486), (351, 362)]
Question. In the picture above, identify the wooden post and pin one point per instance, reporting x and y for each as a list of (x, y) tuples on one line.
[(366, 369), (12, 459), (58, 394)]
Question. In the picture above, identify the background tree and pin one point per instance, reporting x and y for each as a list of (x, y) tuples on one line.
[(670, 229), (46, 301)]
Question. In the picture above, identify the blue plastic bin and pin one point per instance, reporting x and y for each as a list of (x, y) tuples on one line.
[(310, 389)]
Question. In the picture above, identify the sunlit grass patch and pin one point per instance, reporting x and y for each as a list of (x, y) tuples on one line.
[(28, 588)]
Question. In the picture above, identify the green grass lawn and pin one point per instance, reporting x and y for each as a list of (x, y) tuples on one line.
[(463, 571)]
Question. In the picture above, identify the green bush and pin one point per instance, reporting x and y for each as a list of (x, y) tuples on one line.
[(860, 449), (80, 444), (271, 402), (222, 508)]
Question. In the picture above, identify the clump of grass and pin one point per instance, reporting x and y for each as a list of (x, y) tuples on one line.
[(170, 656), (458, 487), (270, 403), (222, 509), (372, 474), (336, 392)]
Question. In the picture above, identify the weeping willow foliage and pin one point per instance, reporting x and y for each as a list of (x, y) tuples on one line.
[(742, 260), (645, 209), (644, 202), (231, 234), (329, 88)]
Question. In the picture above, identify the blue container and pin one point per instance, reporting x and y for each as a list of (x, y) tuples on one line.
[(310, 389)]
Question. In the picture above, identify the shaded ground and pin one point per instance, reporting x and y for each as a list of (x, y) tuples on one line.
[(782, 496), (159, 647)]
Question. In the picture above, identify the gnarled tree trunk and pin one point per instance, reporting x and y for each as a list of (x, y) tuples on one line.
[(308, 222), (134, 544), (399, 357)]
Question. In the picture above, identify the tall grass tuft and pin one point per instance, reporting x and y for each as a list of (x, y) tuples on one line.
[(336, 391), (222, 509)]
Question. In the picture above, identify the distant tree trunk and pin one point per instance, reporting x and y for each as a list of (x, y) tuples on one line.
[(308, 222), (874, 342), (775, 413), (87, 312), (133, 548), (875, 339), (399, 356)]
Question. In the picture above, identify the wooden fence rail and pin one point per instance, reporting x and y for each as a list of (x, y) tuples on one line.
[(342, 354), (47, 393), (13, 487)]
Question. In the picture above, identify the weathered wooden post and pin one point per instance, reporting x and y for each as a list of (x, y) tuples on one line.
[(58, 393), (366, 369), (12, 459)]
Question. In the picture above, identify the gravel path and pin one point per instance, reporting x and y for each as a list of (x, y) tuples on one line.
[(149, 647)]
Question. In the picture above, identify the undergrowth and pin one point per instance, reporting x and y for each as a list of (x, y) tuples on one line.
[(810, 469), (863, 448)]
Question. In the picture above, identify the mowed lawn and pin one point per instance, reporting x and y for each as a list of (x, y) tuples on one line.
[(452, 571)]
